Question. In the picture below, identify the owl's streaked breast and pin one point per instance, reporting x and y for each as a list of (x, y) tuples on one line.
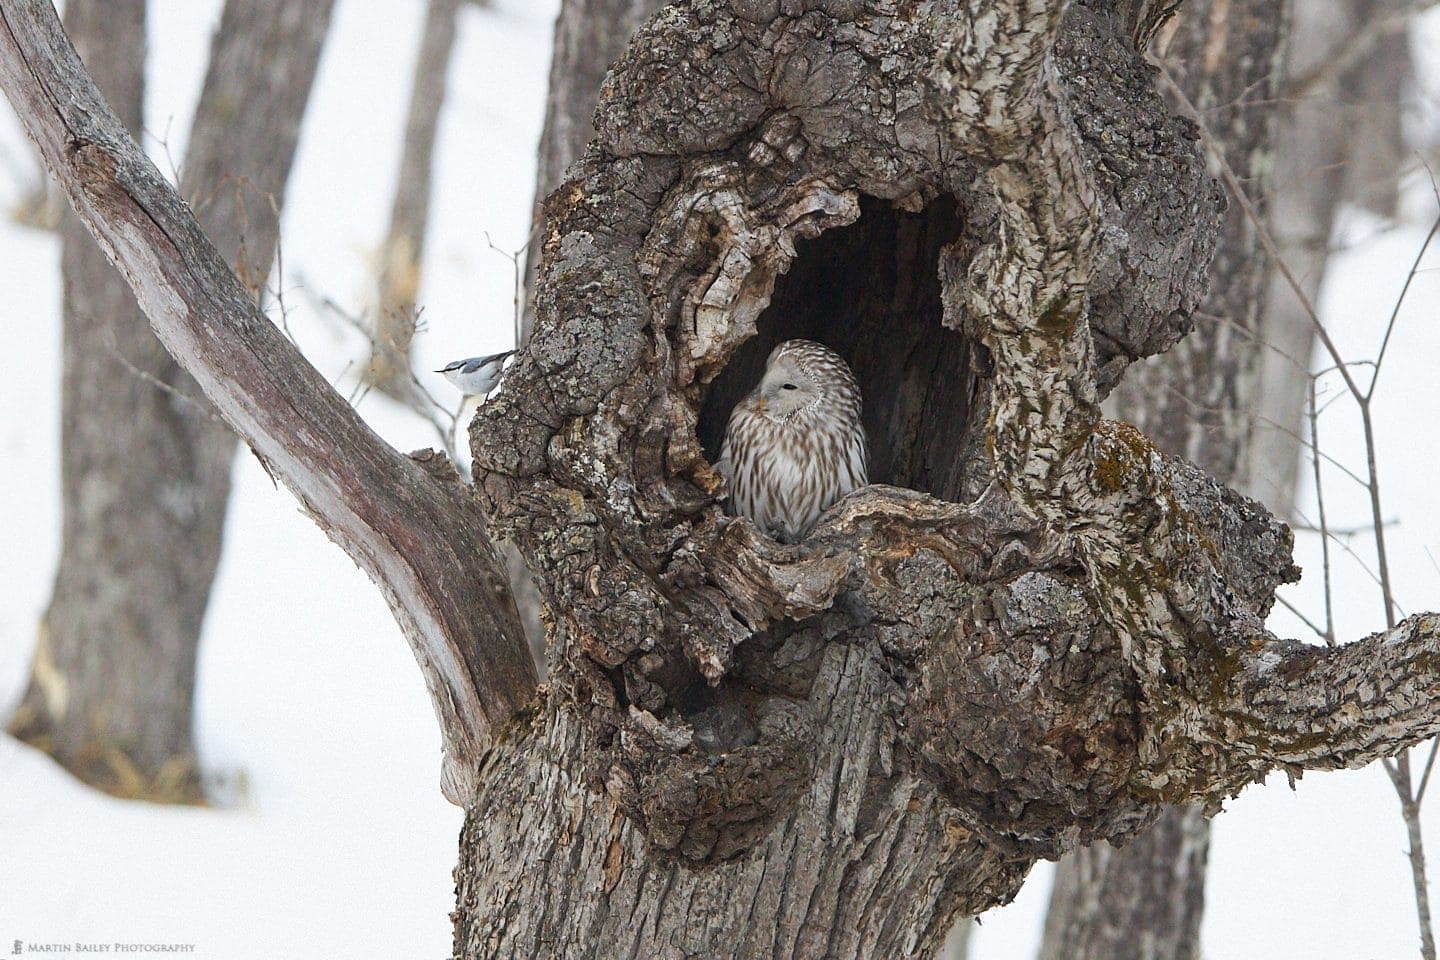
[(783, 475)]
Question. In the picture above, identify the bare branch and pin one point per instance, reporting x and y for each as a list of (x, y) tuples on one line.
[(422, 541), (1357, 47), (1326, 708)]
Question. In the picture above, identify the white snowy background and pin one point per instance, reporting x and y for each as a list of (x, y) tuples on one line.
[(339, 844)]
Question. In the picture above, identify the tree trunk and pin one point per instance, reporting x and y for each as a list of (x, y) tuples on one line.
[(1143, 900), (1146, 900), (402, 255), (833, 748), (146, 462), (957, 942), (1239, 415), (590, 35), (1342, 142), (128, 734)]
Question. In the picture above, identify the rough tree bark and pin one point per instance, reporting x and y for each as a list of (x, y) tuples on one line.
[(401, 256), (833, 748), (146, 463), (590, 35), (1246, 401), (1196, 401)]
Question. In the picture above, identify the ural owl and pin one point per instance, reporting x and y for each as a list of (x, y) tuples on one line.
[(795, 445)]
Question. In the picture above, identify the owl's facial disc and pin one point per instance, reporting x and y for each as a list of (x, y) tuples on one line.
[(785, 390)]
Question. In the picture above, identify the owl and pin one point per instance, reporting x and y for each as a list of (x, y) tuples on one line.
[(794, 445)]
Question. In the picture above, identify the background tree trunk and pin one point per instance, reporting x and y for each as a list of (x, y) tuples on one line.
[(1339, 141), (146, 462), (957, 941), (1143, 900), (1231, 397), (122, 734), (833, 748), (402, 254), (590, 35)]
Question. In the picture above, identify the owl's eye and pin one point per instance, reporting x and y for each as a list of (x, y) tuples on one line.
[(788, 386)]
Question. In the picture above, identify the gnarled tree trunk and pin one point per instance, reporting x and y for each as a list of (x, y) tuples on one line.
[(590, 35), (1050, 632), (1239, 414), (1196, 401), (146, 462)]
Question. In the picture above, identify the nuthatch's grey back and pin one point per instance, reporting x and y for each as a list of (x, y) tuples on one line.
[(477, 376)]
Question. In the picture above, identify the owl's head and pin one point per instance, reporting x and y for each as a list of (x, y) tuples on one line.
[(802, 375)]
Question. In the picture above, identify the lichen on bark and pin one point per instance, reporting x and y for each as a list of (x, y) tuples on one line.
[(1067, 623), (833, 748)]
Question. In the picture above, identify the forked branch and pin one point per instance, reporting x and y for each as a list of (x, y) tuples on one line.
[(421, 539)]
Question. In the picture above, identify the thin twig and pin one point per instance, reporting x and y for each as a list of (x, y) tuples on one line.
[(1318, 630), (1410, 813), (1339, 533), (1329, 633), (1350, 551), (200, 406), (436, 415), (518, 279), (1399, 301), (1197, 406), (1425, 777), (280, 276)]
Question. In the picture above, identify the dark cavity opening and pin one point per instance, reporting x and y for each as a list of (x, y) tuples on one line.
[(871, 292)]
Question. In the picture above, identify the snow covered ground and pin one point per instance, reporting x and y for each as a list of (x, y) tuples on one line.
[(341, 844)]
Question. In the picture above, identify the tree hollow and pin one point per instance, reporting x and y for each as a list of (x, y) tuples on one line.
[(882, 313)]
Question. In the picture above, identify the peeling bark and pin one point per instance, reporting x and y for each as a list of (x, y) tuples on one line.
[(834, 748), (146, 462)]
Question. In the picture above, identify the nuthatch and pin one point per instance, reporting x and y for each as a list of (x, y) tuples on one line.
[(477, 376)]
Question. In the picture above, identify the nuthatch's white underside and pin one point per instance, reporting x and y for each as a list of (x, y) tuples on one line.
[(477, 376)]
